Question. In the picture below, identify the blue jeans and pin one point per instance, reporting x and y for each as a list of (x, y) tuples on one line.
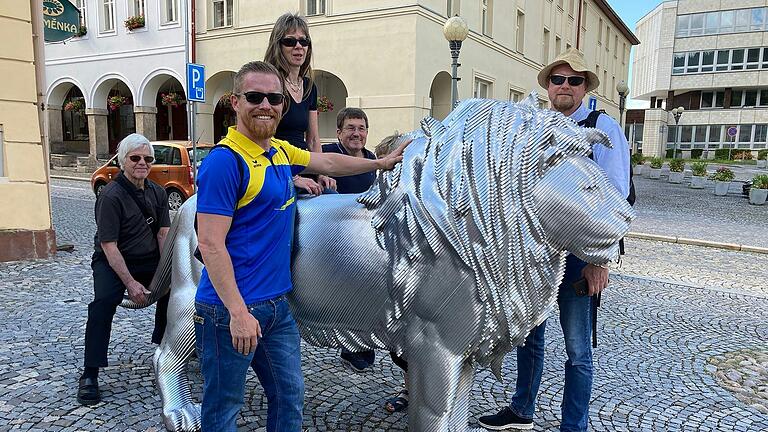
[(276, 361), (576, 321)]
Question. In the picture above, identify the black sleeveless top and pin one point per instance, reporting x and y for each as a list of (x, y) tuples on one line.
[(295, 121)]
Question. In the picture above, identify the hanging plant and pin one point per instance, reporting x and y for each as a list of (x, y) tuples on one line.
[(81, 31), (115, 102), (226, 99), (324, 104), (172, 99), (134, 22), (75, 105)]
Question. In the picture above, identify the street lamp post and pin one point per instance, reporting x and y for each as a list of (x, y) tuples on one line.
[(455, 31), (676, 113), (623, 90)]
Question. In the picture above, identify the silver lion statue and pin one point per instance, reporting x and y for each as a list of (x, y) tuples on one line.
[(449, 260)]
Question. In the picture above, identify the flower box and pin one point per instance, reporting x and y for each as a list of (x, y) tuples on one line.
[(134, 22)]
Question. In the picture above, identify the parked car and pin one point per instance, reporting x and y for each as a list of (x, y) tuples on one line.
[(172, 170)]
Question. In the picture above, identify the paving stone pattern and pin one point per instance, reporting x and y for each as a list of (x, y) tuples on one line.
[(665, 335)]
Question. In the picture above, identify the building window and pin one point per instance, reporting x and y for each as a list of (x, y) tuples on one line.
[(624, 54), (711, 99), (697, 25), (686, 134), (570, 7), (750, 98), (482, 88), (558, 45), (451, 7), (616, 46), (515, 96), (737, 59), (761, 133), (714, 133), (107, 16), (758, 19), (693, 62), (726, 21), (720, 22), (137, 7), (605, 82), (545, 47), (700, 135), (707, 61), (600, 31), (763, 98), (520, 32), (170, 12), (678, 64), (486, 18), (222, 13), (711, 23), (753, 58), (742, 20), (315, 7), (765, 58), (2, 152), (745, 133), (81, 5), (724, 60)]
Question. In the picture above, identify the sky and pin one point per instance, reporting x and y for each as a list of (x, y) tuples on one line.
[(630, 12)]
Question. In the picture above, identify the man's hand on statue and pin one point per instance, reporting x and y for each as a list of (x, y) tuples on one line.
[(326, 182), (308, 185), (389, 161), (245, 331), (137, 293), (597, 278)]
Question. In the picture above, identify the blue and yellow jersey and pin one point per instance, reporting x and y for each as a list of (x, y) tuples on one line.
[(259, 239)]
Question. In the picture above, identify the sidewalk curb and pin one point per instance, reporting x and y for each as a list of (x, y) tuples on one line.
[(60, 177), (698, 242)]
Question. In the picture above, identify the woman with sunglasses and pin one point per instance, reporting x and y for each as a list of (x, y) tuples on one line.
[(132, 220), (290, 51)]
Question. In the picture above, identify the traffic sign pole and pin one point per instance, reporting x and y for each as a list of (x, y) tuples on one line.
[(195, 93)]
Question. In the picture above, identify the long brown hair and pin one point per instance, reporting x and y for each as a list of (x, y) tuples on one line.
[(287, 23)]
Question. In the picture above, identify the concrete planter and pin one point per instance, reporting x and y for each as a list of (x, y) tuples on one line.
[(758, 196), (654, 173), (698, 182), (721, 187), (675, 177), (638, 170), (762, 163)]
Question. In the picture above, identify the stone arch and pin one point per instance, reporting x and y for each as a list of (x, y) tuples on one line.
[(102, 87), (332, 87), (153, 82), (58, 90), (218, 84), (440, 95)]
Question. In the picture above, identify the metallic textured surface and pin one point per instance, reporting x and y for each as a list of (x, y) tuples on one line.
[(450, 259)]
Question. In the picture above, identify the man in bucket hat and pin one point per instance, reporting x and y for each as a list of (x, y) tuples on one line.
[(567, 80)]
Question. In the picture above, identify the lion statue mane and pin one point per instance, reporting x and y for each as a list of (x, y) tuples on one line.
[(449, 260)]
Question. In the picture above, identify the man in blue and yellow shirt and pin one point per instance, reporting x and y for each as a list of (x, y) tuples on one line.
[(245, 206)]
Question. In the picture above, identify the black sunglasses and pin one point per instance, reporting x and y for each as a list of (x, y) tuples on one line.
[(137, 158), (573, 81), (292, 41), (255, 97)]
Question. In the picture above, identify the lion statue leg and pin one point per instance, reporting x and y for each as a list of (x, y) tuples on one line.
[(180, 412)]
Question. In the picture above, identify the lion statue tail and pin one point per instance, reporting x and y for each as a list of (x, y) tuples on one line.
[(161, 283)]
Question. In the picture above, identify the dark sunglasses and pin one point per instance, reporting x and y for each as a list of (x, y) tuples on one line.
[(137, 158), (573, 81), (255, 97), (292, 41)]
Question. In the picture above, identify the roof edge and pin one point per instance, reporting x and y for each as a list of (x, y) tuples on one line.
[(616, 20)]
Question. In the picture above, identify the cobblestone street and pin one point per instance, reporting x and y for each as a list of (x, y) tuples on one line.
[(682, 337)]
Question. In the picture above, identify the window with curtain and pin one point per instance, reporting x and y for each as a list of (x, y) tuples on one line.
[(107, 16)]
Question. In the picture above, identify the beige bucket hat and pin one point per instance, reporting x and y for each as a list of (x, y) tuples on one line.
[(575, 59)]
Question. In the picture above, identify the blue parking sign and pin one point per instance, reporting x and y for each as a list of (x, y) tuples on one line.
[(195, 82), (592, 103)]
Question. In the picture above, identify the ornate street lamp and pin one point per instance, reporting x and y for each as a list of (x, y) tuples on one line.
[(676, 113), (455, 31), (623, 90)]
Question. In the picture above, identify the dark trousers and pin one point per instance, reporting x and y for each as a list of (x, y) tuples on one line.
[(108, 291)]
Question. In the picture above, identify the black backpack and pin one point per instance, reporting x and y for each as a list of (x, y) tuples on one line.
[(591, 122)]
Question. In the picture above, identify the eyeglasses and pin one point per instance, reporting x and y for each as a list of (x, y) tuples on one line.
[(573, 81), (291, 42), (351, 129), (137, 158), (255, 97)]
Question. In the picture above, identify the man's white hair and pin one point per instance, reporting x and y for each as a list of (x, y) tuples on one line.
[(130, 143)]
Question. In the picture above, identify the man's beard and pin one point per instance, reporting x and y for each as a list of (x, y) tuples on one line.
[(563, 102), (261, 130)]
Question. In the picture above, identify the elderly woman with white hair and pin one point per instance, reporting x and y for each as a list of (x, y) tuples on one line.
[(132, 221)]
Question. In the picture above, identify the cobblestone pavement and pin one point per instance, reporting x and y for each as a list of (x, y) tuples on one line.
[(668, 329)]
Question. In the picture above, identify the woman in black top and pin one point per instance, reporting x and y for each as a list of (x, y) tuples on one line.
[(290, 51)]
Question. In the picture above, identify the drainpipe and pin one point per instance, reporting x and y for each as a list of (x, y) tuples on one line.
[(578, 25)]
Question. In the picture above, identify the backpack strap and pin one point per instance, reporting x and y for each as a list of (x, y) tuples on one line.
[(591, 120)]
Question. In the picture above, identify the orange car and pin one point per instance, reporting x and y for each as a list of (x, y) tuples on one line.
[(172, 170)]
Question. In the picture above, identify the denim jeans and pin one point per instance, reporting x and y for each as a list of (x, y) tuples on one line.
[(276, 361), (576, 322)]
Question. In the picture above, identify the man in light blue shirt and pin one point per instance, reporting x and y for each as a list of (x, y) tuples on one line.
[(567, 80)]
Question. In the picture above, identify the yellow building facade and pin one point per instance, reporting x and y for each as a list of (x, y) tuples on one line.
[(390, 58), (25, 213)]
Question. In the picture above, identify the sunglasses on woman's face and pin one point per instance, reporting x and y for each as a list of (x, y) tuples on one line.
[(255, 97), (573, 81), (137, 158), (292, 41)]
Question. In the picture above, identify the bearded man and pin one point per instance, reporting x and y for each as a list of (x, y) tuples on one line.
[(245, 212)]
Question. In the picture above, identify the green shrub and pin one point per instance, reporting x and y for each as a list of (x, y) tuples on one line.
[(722, 154), (760, 181), (723, 174), (699, 169), (762, 154), (636, 159), (696, 153), (677, 165), (656, 162)]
